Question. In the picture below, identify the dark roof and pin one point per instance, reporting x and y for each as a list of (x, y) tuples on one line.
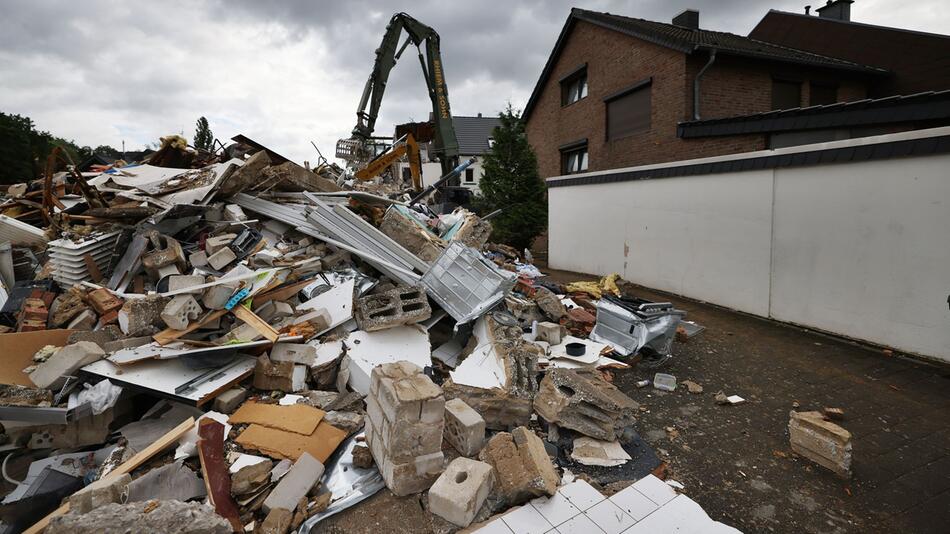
[(918, 61), (924, 106), (864, 152), (473, 133), (688, 41)]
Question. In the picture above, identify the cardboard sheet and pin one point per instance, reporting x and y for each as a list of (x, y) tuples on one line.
[(299, 418), (17, 350), (289, 445)]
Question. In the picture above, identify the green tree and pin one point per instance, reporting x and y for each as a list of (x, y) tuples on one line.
[(511, 182), (16, 162), (204, 139)]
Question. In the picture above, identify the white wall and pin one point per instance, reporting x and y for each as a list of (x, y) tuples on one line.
[(859, 249), (708, 239), (863, 249)]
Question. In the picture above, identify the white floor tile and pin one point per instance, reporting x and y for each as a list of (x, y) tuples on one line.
[(581, 494), (681, 515), (579, 524), (495, 527), (634, 503), (609, 517), (655, 489), (556, 509), (527, 520)]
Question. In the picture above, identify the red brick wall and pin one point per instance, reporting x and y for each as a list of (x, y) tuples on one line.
[(732, 86)]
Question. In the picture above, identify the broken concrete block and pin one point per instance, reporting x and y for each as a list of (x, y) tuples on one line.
[(234, 213), (281, 376), (294, 352), (524, 310), (362, 457), (278, 521), (199, 258), (304, 474), (821, 441), (221, 259), (405, 412), (410, 235), (84, 321), (461, 490), (550, 332), (215, 243), (548, 302), (177, 282), (522, 467), (167, 517), (65, 362), (273, 310), (229, 401), (464, 427), (399, 306), (215, 297), (180, 310), (474, 231), (143, 316), (580, 399), (249, 477), (90, 498)]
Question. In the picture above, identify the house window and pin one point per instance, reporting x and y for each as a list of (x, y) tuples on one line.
[(574, 158), (786, 94), (628, 111), (822, 94), (470, 176), (406, 173), (574, 86)]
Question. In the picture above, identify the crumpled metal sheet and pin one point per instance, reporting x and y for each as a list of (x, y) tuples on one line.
[(630, 328), (347, 483)]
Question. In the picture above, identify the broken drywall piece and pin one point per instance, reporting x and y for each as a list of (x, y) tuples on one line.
[(482, 368), (304, 474), (367, 350), (281, 444), (592, 350), (336, 303), (299, 418), (590, 451)]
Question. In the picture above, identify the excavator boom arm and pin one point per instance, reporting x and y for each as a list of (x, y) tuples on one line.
[(446, 144)]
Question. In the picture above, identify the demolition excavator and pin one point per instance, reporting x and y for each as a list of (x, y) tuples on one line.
[(362, 150)]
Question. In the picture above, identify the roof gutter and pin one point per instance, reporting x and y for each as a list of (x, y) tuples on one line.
[(696, 83)]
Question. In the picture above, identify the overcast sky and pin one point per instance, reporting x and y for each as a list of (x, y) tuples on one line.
[(290, 72)]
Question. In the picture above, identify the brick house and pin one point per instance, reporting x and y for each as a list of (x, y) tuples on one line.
[(615, 89)]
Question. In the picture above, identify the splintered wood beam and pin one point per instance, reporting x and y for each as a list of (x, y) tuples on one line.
[(255, 322), (215, 471)]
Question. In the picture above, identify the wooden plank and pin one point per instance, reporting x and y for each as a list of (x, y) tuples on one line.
[(215, 471), (282, 293), (130, 465), (170, 334), (255, 322)]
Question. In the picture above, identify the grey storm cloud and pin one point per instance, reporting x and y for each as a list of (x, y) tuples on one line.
[(291, 72)]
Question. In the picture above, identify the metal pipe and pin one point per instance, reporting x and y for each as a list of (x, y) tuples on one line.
[(452, 174), (699, 75)]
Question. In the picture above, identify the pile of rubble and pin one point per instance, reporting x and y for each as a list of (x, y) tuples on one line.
[(281, 344)]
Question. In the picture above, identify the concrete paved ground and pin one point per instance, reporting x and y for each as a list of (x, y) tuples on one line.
[(735, 461)]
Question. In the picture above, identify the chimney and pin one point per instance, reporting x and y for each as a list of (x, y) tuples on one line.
[(479, 115), (688, 19), (836, 10)]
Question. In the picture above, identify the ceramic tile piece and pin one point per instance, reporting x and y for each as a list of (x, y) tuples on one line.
[(681, 515), (581, 494), (655, 489), (609, 517), (526, 520), (579, 524), (556, 509), (495, 527), (634, 503)]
